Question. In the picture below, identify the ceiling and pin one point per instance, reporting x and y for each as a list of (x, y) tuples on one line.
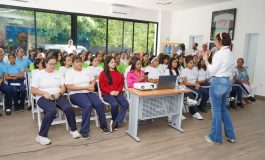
[(168, 5)]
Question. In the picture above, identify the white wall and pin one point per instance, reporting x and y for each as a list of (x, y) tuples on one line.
[(250, 18), (87, 7)]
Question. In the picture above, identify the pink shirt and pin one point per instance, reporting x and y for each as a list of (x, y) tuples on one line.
[(133, 78)]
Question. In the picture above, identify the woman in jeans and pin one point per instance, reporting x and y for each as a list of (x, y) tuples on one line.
[(221, 70)]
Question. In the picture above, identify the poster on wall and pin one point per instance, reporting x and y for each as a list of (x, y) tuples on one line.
[(223, 21)]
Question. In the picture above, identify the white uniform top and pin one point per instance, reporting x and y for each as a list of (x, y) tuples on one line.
[(79, 79), (47, 82), (94, 71), (127, 70), (70, 49), (202, 75), (222, 63), (154, 73), (63, 70), (162, 68), (191, 74)]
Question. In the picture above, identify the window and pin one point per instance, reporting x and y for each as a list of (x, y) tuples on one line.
[(140, 37), (91, 33), (53, 30), (17, 29), (151, 37), (115, 31), (128, 36)]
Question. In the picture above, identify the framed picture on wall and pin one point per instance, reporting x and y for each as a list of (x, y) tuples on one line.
[(223, 21)]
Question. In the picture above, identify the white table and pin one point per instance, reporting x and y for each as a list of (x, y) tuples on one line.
[(154, 104)]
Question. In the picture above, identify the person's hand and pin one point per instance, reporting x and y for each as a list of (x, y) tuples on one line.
[(113, 93), (142, 78), (91, 88), (116, 93), (197, 86), (56, 96), (47, 95)]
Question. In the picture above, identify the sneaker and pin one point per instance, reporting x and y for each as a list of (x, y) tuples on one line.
[(252, 99), (43, 140), (113, 126), (183, 117), (105, 130), (85, 136), (75, 134), (191, 102), (232, 104), (8, 111), (198, 116), (231, 140), (207, 138)]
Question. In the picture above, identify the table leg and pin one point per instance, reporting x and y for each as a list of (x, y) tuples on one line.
[(133, 117), (176, 119)]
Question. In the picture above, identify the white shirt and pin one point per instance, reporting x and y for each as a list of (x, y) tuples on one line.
[(154, 73), (63, 70), (47, 82), (222, 63), (34, 72), (202, 75), (162, 68), (127, 70), (94, 71), (192, 52), (174, 73), (70, 49), (191, 74), (79, 79)]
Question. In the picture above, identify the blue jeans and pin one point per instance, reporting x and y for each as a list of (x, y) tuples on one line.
[(219, 90)]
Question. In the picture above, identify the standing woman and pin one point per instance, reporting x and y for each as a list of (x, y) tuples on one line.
[(48, 86), (111, 83), (221, 70)]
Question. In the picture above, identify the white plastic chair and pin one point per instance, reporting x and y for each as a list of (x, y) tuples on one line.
[(2, 103), (108, 114)]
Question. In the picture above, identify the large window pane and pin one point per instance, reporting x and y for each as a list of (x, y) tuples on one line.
[(140, 37), (128, 36), (91, 33), (115, 30), (151, 37), (17, 29), (53, 30)]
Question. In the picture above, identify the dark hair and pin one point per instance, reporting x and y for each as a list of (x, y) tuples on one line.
[(188, 59), (76, 58), (11, 54), (106, 68), (224, 38), (64, 59), (196, 44), (240, 59), (182, 64), (97, 53), (134, 61), (37, 61), (151, 58), (170, 66), (162, 58), (50, 58), (92, 59), (200, 65)]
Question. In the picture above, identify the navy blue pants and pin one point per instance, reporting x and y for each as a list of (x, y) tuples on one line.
[(86, 101), (116, 101), (50, 109), (19, 95), (7, 90), (236, 92)]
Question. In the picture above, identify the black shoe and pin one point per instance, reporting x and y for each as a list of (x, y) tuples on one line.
[(240, 105), (252, 99), (113, 126), (17, 109), (232, 105), (105, 130), (22, 109), (85, 136), (29, 108)]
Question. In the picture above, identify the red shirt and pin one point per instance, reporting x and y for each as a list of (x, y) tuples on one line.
[(117, 82)]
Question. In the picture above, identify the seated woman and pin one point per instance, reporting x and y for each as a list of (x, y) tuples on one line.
[(120, 66), (67, 64), (94, 69), (80, 84), (14, 75), (136, 74), (7, 91), (203, 75), (111, 83), (163, 63), (242, 79), (39, 64), (153, 71), (190, 79), (48, 86)]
